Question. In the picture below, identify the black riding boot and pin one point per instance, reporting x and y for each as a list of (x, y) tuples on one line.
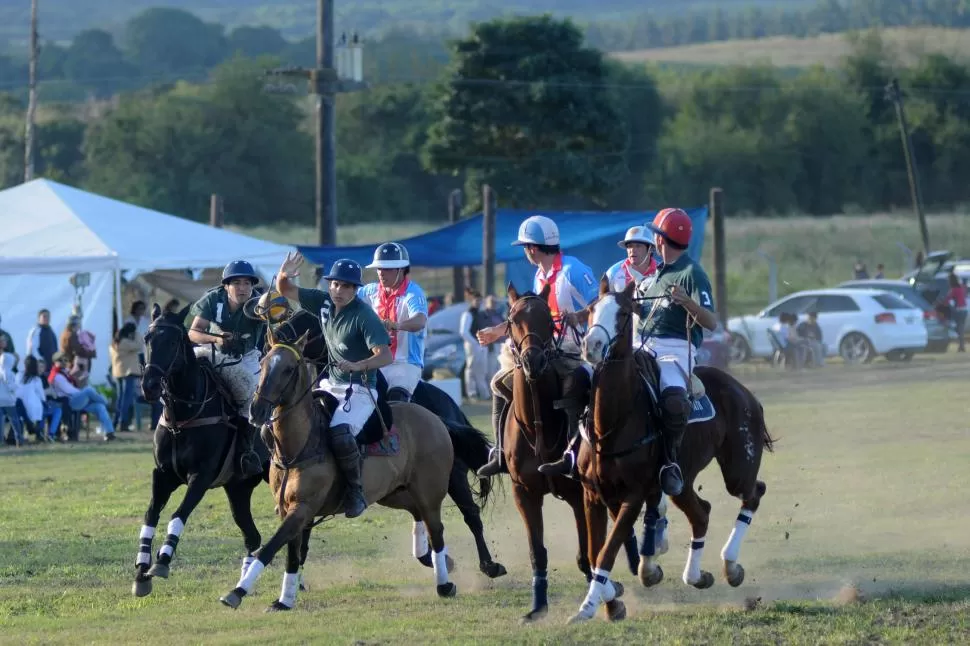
[(495, 464), (347, 452), (249, 462), (566, 465), (675, 411)]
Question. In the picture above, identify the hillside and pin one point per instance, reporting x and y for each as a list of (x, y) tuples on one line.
[(789, 52), (61, 19)]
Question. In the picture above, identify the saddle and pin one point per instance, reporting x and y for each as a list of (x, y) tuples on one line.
[(702, 408), (221, 388)]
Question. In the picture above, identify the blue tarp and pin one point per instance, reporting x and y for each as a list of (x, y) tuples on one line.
[(591, 236)]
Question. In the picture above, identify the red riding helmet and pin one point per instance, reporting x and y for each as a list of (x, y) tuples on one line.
[(674, 225)]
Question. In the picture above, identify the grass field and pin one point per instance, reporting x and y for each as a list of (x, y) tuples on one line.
[(863, 537), (791, 52), (810, 252)]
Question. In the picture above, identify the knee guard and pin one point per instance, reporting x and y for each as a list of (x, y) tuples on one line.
[(398, 394), (674, 410)]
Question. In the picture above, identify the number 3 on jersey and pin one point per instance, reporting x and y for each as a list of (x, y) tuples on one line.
[(706, 300)]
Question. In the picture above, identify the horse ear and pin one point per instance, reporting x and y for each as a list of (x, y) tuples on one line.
[(604, 285), (301, 342), (629, 289), (270, 337), (544, 294), (182, 313), (512, 293), (156, 311)]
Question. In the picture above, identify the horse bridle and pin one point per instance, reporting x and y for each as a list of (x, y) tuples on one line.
[(301, 366), (546, 347)]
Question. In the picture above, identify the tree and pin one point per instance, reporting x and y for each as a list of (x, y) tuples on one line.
[(172, 41), (58, 155), (256, 41), (172, 150), (93, 60), (524, 108)]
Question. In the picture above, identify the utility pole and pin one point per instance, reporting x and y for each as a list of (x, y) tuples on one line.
[(488, 240), (893, 94), (31, 97), (216, 213), (325, 83), (720, 254), (457, 276)]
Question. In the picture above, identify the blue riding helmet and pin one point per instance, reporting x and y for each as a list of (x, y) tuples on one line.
[(390, 255), (239, 269), (346, 271)]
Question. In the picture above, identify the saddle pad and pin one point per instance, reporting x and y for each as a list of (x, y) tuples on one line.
[(701, 410), (389, 445)]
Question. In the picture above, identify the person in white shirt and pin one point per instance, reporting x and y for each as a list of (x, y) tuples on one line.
[(476, 355), (85, 399), (8, 393)]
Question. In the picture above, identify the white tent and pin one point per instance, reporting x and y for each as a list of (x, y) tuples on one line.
[(49, 232)]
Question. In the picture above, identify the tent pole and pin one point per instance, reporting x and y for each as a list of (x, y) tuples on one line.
[(118, 313)]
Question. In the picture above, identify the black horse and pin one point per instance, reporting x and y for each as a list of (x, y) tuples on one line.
[(195, 445), (475, 443)]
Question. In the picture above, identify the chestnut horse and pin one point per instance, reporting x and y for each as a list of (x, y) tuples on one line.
[(621, 456)]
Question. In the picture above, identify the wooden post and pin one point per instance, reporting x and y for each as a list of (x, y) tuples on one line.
[(215, 211), (916, 194), (488, 240), (29, 144), (720, 255), (457, 275)]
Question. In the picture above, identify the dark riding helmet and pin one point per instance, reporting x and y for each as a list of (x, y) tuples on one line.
[(239, 269), (346, 271), (390, 255)]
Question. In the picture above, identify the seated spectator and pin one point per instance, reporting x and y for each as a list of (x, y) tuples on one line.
[(31, 398), (77, 346), (810, 334), (8, 395), (791, 346), (880, 271), (53, 407), (80, 399)]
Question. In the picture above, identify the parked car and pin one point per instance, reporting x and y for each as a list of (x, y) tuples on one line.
[(443, 346), (857, 324), (930, 278), (938, 332), (716, 349)]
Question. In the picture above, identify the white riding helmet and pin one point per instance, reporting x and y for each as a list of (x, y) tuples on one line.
[(538, 230), (390, 255), (636, 234)]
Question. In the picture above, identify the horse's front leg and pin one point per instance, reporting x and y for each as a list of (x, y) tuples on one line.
[(529, 504), (654, 540), (291, 578), (601, 589), (290, 529), (163, 484), (240, 494), (198, 484)]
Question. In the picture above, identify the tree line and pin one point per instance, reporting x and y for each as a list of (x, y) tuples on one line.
[(525, 106)]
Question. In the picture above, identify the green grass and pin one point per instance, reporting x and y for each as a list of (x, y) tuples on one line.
[(866, 492)]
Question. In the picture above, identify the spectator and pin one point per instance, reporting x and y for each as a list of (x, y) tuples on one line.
[(138, 316), (78, 349), (792, 349), (10, 346), (54, 408), (880, 271), (810, 334), (956, 298), (861, 273), (42, 341), (171, 307), (476, 356), (494, 314), (80, 399), (126, 370), (31, 398), (8, 395)]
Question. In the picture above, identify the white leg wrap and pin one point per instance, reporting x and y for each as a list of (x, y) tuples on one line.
[(440, 566), (246, 562), (248, 580), (600, 590), (732, 549), (175, 527), (692, 571), (147, 532), (145, 545), (291, 583), (419, 539)]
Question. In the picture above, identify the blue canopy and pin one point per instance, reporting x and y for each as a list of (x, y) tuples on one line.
[(591, 236)]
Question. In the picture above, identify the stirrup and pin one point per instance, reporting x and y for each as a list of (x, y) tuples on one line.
[(494, 465), (676, 475), (564, 466)]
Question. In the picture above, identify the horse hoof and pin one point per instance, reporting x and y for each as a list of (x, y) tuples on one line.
[(492, 570), (160, 570), (734, 573), (615, 610), (142, 588), (426, 559), (276, 606), (232, 600), (650, 577), (447, 590), (577, 619), (303, 588), (535, 614), (450, 563), (706, 581), (618, 589)]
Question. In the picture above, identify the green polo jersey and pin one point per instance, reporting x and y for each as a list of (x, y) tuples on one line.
[(214, 307), (669, 320), (351, 334)]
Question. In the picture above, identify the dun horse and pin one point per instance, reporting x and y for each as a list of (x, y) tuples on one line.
[(620, 460), (469, 502), (306, 482), (194, 445)]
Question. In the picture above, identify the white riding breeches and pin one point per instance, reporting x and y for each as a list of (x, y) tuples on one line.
[(241, 375), (675, 358), (353, 412), (402, 375)]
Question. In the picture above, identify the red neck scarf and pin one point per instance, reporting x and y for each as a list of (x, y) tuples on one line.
[(550, 280), (628, 269), (387, 306)]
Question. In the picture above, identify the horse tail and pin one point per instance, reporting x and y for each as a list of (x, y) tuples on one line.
[(472, 448), (767, 441)]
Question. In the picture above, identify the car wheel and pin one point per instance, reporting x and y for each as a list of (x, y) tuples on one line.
[(856, 348), (900, 355), (740, 350)]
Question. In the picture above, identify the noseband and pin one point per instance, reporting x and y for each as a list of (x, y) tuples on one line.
[(300, 367), (519, 348)]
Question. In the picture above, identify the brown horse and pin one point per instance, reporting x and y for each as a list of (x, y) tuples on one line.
[(535, 432), (622, 455), (306, 482)]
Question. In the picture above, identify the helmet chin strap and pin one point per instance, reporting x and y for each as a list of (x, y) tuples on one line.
[(400, 279)]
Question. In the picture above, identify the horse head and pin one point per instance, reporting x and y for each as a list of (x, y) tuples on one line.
[(531, 330), (167, 350), (610, 330), (283, 379)]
